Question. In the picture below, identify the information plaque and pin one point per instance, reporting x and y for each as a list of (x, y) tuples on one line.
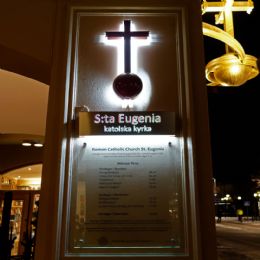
[(128, 192), (128, 182)]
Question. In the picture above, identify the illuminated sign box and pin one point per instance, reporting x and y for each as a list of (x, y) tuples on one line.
[(127, 195), (126, 123)]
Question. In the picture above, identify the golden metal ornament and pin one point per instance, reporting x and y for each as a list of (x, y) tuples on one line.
[(235, 67)]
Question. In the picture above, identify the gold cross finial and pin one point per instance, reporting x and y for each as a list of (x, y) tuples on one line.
[(225, 9), (219, 6)]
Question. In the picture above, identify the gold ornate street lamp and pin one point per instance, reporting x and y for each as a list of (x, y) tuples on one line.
[(235, 67)]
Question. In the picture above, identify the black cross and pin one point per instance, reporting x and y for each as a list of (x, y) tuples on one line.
[(127, 34)]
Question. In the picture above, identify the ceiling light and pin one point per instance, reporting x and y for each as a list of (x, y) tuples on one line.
[(26, 143), (31, 142), (38, 145)]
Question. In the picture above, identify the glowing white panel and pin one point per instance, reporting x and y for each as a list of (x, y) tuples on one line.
[(132, 140), (115, 169)]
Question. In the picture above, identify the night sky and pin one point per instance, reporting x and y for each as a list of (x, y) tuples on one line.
[(234, 112)]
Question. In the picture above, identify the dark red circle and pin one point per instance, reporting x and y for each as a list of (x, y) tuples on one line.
[(127, 85)]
